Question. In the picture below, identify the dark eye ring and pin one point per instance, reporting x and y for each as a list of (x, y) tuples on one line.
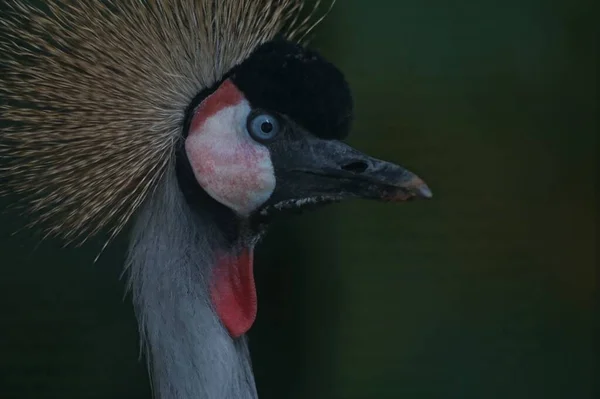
[(262, 126)]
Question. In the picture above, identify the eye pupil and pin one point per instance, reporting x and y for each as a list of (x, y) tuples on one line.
[(266, 127)]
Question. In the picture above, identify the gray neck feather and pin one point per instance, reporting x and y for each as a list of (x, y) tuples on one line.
[(190, 354)]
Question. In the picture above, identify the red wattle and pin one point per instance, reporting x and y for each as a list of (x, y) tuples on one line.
[(233, 291)]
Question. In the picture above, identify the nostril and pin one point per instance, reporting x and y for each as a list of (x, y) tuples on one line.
[(356, 167)]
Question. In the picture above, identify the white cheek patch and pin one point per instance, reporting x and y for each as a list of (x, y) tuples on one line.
[(230, 166)]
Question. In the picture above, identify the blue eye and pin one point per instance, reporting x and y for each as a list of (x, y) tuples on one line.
[(263, 127)]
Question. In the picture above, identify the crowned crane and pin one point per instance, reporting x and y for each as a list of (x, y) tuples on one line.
[(199, 120)]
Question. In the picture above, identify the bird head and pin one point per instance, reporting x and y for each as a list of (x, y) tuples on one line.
[(266, 139)]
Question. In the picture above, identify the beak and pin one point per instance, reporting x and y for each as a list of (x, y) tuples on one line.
[(330, 170)]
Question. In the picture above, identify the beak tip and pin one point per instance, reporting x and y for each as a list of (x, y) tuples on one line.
[(414, 188), (424, 191), (418, 188)]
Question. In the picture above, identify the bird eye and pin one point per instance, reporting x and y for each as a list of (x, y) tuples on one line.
[(263, 127)]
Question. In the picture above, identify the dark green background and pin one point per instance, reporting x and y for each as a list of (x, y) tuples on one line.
[(485, 292)]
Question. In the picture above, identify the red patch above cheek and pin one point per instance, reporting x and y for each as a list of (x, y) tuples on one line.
[(227, 95)]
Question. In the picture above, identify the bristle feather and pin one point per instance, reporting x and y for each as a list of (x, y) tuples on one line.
[(94, 94)]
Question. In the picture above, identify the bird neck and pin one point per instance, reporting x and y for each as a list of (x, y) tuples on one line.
[(171, 259)]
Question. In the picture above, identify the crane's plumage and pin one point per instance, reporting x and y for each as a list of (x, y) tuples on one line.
[(206, 119), (93, 90)]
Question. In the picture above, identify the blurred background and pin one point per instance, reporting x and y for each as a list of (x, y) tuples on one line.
[(487, 291)]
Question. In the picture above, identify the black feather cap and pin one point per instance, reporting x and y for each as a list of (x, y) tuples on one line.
[(287, 78)]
